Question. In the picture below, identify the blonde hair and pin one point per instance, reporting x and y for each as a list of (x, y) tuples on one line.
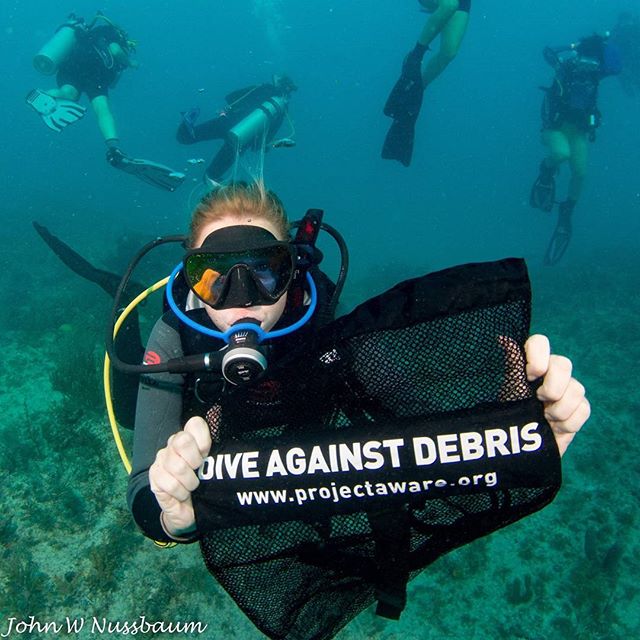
[(241, 201)]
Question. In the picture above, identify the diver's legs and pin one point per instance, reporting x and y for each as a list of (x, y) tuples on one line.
[(568, 144), (106, 121), (543, 191), (214, 129), (437, 21), (450, 41), (557, 142), (578, 163), (65, 92)]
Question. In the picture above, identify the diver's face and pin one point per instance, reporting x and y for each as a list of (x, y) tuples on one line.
[(267, 315)]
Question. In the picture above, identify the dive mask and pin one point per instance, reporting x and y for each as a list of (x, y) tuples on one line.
[(240, 266)]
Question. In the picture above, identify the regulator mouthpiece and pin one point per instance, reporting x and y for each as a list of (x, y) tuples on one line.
[(243, 360)]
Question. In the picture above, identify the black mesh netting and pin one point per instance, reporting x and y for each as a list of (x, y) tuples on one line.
[(434, 356)]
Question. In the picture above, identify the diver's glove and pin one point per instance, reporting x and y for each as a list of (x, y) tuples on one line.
[(55, 112)]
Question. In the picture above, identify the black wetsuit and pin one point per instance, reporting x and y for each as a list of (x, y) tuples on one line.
[(166, 401), (91, 68), (573, 96), (240, 104)]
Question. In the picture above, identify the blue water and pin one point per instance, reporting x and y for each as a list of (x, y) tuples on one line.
[(464, 198)]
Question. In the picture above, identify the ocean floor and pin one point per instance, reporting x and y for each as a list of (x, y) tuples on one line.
[(70, 550)]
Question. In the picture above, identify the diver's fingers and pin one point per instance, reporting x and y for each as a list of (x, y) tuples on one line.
[(182, 457), (172, 480), (561, 410), (556, 379), (565, 430), (565, 404), (198, 429), (538, 351), (171, 475)]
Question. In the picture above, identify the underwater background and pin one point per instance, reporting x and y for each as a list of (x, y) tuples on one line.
[(69, 548)]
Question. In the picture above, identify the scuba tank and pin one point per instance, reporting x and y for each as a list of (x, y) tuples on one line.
[(56, 50), (257, 123)]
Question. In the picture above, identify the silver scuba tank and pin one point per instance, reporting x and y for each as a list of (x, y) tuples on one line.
[(57, 49), (255, 125)]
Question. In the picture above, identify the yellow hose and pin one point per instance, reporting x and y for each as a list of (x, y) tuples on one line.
[(107, 371), (107, 385)]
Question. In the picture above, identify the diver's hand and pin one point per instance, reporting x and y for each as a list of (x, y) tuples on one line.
[(565, 405), (173, 475)]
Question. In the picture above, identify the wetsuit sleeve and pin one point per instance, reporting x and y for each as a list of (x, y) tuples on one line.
[(158, 416)]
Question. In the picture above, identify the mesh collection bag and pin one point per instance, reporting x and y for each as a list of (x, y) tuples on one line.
[(404, 430)]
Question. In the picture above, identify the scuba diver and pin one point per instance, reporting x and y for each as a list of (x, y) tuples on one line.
[(89, 58), (449, 20), (626, 35), (570, 117), (250, 120), (289, 572), (247, 379)]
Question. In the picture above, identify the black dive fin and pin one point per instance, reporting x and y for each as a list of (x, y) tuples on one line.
[(543, 191), (128, 345), (557, 245), (403, 105), (107, 281), (405, 99), (398, 144)]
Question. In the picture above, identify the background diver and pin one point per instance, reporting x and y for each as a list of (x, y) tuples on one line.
[(570, 117), (89, 58), (250, 120), (449, 20)]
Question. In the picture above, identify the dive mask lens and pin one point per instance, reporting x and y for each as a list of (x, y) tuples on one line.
[(257, 276)]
